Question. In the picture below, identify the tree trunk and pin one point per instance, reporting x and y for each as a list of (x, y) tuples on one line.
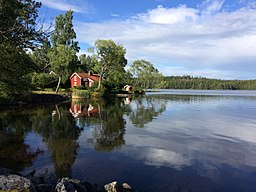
[(99, 85), (58, 86), (58, 111)]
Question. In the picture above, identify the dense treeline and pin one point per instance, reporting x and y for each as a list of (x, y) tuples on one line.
[(189, 82)]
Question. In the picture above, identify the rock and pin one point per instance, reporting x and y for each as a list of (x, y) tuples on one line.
[(69, 185), (126, 186), (114, 187), (15, 183), (111, 187)]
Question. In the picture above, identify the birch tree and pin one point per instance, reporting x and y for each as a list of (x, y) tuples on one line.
[(111, 61), (64, 48)]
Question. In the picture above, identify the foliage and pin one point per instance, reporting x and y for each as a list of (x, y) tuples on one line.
[(98, 93), (41, 80), (189, 82), (81, 93), (18, 31), (78, 88), (111, 62), (145, 75), (18, 23), (40, 57), (87, 62), (62, 55), (60, 58), (15, 69)]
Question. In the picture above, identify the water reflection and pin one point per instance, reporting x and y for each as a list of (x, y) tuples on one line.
[(212, 135), (106, 118), (80, 108), (59, 132), (159, 142), (145, 109), (14, 153)]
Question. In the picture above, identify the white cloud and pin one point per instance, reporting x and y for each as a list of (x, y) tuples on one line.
[(197, 39), (64, 6), (211, 6), (162, 15), (114, 15)]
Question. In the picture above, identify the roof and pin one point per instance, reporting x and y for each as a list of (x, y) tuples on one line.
[(94, 77)]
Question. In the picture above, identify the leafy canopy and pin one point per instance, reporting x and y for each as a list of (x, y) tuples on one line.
[(18, 31), (18, 22), (62, 55), (145, 74), (111, 62)]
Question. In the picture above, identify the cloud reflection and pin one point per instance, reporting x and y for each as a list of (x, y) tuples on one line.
[(205, 133)]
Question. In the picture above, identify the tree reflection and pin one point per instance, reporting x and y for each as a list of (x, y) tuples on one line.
[(106, 120), (59, 131), (110, 133), (14, 153), (146, 109)]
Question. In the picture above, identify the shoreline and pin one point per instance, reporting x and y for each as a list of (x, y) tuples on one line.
[(48, 181), (35, 99)]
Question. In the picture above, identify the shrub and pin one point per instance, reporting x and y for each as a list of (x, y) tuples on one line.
[(79, 88), (81, 93)]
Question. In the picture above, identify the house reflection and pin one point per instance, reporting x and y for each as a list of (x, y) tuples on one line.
[(104, 119), (83, 109), (127, 100)]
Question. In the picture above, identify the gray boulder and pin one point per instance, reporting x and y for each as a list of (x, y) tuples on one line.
[(69, 185), (15, 183), (114, 187), (111, 187)]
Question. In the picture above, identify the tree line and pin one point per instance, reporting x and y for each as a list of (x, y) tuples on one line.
[(189, 82)]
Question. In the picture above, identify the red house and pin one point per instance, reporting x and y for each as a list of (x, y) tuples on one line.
[(83, 79)]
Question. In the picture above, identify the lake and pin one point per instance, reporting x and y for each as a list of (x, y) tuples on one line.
[(171, 140)]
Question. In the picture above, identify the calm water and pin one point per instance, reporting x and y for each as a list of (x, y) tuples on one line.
[(165, 141)]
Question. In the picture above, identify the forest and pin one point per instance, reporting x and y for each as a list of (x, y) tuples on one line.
[(189, 82)]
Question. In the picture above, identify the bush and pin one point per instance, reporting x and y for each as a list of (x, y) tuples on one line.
[(79, 88), (99, 93), (42, 80), (81, 93)]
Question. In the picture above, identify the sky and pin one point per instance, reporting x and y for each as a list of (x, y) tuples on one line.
[(202, 38)]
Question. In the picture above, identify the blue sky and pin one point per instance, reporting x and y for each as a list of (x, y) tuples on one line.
[(208, 38)]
